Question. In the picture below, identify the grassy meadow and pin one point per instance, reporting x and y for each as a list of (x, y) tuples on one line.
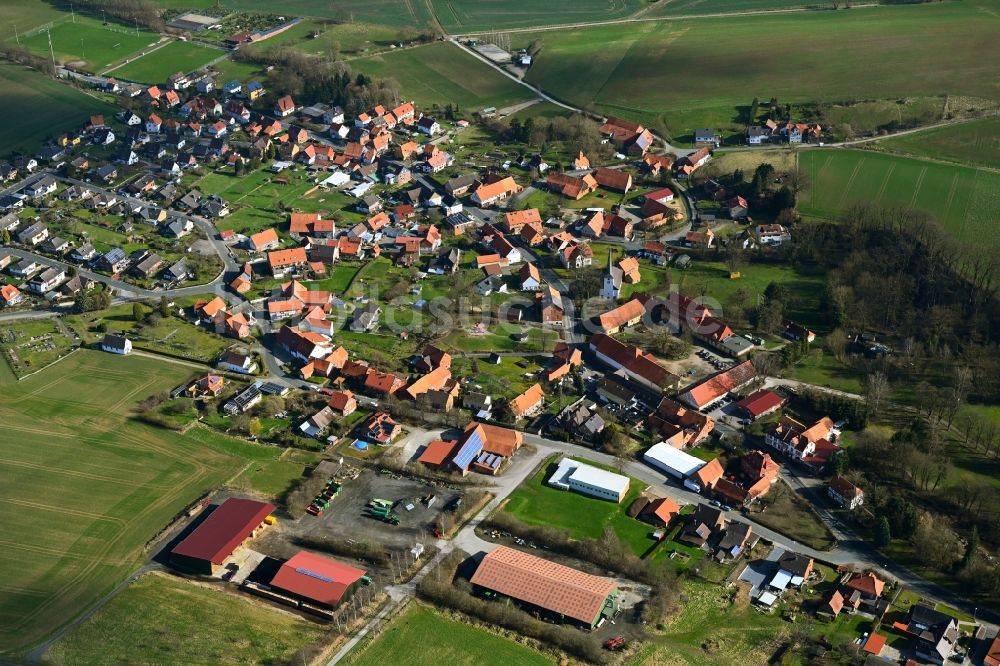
[(395, 13), (976, 143), (85, 485), (429, 638), (963, 199), (162, 619), (441, 73), (458, 16), (36, 107), (155, 67), (679, 75)]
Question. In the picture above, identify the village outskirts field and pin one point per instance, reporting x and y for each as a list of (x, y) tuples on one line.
[(84, 485)]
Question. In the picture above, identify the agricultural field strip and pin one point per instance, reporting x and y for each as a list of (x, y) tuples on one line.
[(171, 492)]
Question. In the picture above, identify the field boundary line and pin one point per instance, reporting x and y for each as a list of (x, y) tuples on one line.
[(850, 183), (951, 195), (885, 181), (62, 509), (917, 186)]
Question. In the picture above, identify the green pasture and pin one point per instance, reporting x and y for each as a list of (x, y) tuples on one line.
[(976, 143), (165, 620), (442, 73), (36, 108), (85, 485), (683, 74), (962, 199), (428, 638)]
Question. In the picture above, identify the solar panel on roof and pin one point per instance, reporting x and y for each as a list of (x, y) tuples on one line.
[(313, 574)]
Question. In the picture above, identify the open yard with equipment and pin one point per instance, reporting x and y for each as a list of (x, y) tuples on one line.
[(86, 43), (428, 638), (442, 73), (976, 143), (155, 67), (162, 619), (54, 107), (963, 199), (84, 486), (679, 75)]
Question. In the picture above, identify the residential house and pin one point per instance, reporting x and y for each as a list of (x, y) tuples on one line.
[(571, 187), (528, 403), (845, 493), (488, 194), (116, 344), (263, 241), (10, 295), (638, 365), (428, 126), (551, 306), (618, 180), (799, 442), (33, 235), (679, 426), (284, 107), (710, 390), (529, 278), (366, 319)]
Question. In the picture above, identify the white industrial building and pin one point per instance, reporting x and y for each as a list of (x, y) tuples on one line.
[(589, 480), (674, 462)]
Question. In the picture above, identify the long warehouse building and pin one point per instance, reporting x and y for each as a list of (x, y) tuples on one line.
[(561, 592), (207, 548)]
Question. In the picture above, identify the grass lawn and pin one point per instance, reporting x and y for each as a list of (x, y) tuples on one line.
[(712, 278), (86, 43), (973, 143), (161, 619), (272, 478), (36, 108), (161, 63), (680, 75), (85, 486), (442, 73), (537, 503), (429, 638), (791, 515), (459, 16), (228, 70), (338, 279), (963, 199), (512, 376), (713, 628), (500, 340), (819, 367)]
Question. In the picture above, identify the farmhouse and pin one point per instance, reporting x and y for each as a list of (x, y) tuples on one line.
[(556, 590), (682, 427), (589, 480), (488, 194), (228, 527), (528, 403), (627, 314), (760, 404), (571, 187), (799, 442), (618, 180)]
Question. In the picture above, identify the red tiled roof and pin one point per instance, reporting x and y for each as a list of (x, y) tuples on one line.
[(316, 578), (717, 385), (874, 644), (223, 530), (527, 400), (866, 583), (438, 452), (761, 402), (544, 584)]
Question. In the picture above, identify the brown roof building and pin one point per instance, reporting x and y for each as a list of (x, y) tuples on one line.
[(560, 591)]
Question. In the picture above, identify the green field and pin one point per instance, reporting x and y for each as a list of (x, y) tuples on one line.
[(678, 75), (428, 638), (25, 15), (396, 13), (976, 143), (85, 43), (537, 503), (85, 486), (159, 619), (459, 16), (703, 7), (155, 67), (964, 200), (440, 74), (36, 108)]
